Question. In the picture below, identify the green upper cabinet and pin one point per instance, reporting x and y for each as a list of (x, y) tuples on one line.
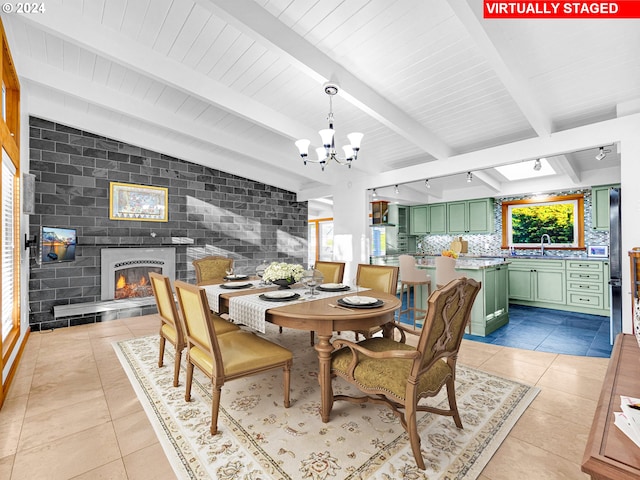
[(399, 215), (600, 207), (419, 220), (438, 218), (470, 216)]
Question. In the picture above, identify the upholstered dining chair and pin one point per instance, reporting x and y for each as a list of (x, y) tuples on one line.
[(225, 357), (383, 278), (397, 375), (211, 268), (333, 272), (171, 326)]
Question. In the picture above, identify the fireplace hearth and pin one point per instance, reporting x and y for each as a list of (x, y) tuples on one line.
[(125, 271)]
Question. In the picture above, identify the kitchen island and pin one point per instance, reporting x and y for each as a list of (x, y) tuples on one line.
[(491, 308)]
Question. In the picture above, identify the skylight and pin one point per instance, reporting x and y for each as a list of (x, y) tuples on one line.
[(525, 170)]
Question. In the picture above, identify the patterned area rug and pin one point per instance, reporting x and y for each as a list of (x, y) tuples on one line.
[(260, 439)]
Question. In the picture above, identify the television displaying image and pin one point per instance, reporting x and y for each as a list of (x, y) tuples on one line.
[(58, 244)]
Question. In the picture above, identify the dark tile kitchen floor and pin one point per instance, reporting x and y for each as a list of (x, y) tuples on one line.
[(546, 330)]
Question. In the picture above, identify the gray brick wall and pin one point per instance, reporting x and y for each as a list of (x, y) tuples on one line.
[(210, 213)]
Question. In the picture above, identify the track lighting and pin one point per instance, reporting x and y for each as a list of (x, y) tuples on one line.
[(427, 184), (602, 154), (469, 177), (537, 165), (374, 193), (397, 190)]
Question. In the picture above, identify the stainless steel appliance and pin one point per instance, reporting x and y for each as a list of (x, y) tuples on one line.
[(615, 263)]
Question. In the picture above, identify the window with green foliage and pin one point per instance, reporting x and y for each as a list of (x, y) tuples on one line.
[(526, 221)]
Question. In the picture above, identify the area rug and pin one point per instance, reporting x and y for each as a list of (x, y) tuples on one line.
[(261, 439)]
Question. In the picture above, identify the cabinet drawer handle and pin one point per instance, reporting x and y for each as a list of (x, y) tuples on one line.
[(584, 300)]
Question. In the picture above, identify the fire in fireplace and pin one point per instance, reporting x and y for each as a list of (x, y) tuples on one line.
[(125, 271), (134, 282)]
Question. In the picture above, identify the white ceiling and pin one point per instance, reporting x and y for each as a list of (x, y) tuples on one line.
[(232, 83)]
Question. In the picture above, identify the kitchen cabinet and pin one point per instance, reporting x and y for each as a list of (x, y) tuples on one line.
[(398, 215), (585, 283), (600, 207), (576, 285), (419, 220), (470, 216), (537, 281), (438, 218)]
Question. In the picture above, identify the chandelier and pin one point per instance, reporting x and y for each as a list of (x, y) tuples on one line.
[(327, 152)]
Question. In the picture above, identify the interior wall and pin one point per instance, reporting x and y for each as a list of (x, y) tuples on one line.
[(210, 213)]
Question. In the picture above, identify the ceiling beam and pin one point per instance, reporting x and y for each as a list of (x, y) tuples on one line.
[(488, 181), (561, 163), (516, 84), (259, 24), (119, 49)]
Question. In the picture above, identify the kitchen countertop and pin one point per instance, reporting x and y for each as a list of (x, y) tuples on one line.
[(468, 263)]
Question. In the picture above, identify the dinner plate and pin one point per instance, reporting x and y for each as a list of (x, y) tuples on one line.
[(366, 303), (333, 287), (279, 296), (236, 277), (236, 285)]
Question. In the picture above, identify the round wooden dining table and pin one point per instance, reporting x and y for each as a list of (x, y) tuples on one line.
[(318, 316)]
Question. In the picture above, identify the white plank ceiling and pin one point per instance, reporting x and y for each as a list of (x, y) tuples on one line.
[(233, 83)]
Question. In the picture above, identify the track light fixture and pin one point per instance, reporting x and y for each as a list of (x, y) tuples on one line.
[(537, 165), (375, 194), (427, 184), (396, 190), (469, 177), (602, 154)]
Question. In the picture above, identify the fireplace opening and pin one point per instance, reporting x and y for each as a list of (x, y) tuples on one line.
[(125, 271), (134, 282)]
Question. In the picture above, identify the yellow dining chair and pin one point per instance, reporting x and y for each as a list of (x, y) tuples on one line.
[(397, 375), (382, 278), (333, 272), (172, 327), (211, 268), (225, 357)]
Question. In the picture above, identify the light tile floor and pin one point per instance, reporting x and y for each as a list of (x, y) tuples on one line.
[(71, 412)]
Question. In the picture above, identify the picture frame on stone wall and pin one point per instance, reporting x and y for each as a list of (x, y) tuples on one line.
[(142, 203)]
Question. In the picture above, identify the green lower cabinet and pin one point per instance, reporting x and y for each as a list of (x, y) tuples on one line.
[(490, 310), (571, 285)]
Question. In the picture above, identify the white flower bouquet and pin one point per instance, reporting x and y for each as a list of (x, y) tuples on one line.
[(283, 271)]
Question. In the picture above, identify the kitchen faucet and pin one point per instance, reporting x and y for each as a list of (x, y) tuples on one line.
[(542, 242)]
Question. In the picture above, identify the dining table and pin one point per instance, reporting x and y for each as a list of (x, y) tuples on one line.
[(324, 316)]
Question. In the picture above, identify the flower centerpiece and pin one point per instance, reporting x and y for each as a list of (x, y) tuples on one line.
[(450, 253), (283, 274)]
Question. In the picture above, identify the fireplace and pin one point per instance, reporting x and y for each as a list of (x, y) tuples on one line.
[(125, 271)]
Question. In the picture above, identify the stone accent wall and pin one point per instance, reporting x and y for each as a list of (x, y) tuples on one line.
[(210, 213)]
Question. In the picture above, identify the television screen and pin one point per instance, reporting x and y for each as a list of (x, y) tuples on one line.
[(58, 244)]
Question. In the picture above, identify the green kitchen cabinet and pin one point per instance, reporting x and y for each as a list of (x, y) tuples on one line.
[(399, 215), (438, 218), (470, 216), (419, 220), (496, 284), (600, 207), (537, 281)]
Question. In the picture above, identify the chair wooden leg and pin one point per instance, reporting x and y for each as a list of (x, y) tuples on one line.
[(279, 329), (453, 405), (414, 437), (215, 407), (176, 367), (187, 388), (161, 357), (286, 373), (312, 337)]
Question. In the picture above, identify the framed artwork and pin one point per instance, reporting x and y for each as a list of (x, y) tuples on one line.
[(138, 202)]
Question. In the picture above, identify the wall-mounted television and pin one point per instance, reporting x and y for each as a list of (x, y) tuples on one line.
[(58, 244)]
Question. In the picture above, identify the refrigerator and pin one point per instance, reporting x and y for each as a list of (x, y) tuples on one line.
[(615, 263)]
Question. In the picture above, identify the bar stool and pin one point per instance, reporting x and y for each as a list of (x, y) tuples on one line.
[(412, 277)]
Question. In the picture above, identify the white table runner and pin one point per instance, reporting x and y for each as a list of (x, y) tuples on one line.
[(250, 310), (214, 292)]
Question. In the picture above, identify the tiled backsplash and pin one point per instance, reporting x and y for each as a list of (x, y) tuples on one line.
[(489, 244)]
